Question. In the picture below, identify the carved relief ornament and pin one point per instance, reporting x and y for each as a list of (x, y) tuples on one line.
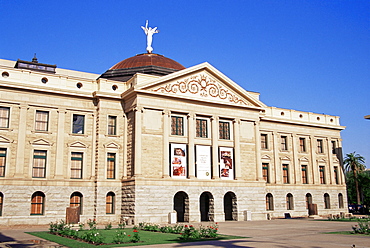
[(203, 86)]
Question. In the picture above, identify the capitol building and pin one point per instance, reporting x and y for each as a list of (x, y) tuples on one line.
[(149, 139)]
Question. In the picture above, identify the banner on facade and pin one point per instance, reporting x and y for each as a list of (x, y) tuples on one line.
[(178, 160), (226, 163), (203, 161)]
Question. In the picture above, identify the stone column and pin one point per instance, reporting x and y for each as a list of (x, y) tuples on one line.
[(215, 161), (21, 146), (330, 162), (191, 136), (59, 157), (138, 126), (257, 134), (166, 152), (297, 173), (314, 166), (237, 162), (124, 157), (277, 162)]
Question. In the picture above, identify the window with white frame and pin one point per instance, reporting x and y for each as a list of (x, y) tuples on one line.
[(112, 125), (4, 117), (201, 128), (42, 120)]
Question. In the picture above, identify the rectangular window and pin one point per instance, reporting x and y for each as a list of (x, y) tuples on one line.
[(264, 141), (112, 122), (333, 147), (336, 178), (42, 120), (177, 125), (109, 205), (265, 172), (2, 161), (224, 129), (304, 174), (322, 174), (201, 128), (78, 124), (76, 165), (302, 144), (4, 117), (320, 148), (284, 143), (111, 165), (285, 173), (39, 164)]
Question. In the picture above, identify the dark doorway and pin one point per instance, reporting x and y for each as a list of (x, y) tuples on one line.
[(181, 206), (206, 207), (230, 206)]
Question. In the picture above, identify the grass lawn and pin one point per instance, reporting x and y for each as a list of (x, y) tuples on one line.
[(146, 238)]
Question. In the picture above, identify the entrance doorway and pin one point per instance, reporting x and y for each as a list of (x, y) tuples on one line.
[(230, 206), (206, 207), (181, 206)]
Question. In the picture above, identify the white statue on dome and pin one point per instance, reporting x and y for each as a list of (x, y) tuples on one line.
[(149, 36)]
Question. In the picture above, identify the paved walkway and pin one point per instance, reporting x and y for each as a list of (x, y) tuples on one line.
[(282, 233)]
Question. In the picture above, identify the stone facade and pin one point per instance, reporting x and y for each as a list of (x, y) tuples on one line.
[(107, 146)]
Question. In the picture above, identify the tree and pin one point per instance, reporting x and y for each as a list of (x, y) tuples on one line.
[(355, 163)]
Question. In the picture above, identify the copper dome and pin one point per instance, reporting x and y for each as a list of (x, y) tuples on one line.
[(148, 59)]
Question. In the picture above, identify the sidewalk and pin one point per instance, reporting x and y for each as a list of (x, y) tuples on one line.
[(282, 233)]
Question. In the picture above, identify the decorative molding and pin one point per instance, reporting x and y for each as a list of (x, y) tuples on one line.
[(5, 140), (266, 157), (304, 159), (286, 158), (203, 86), (41, 142), (112, 145), (78, 144)]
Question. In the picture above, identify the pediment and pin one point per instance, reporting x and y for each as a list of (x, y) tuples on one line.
[(5, 140), (304, 159), (266, 157), (78, 144), (202, 82), (112, 145), (41, 142), (286, 158), (321, 160)]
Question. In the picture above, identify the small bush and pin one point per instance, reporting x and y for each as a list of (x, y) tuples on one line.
[(362, 227), (93, 236), (119, 237), (108, 226)]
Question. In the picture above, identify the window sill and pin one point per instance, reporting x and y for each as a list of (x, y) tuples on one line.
[(6, 129), (39, 131), (78, 134), (112, 136)]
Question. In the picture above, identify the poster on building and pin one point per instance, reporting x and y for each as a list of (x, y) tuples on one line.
[(203, 161), (226, 163), (178, 160)]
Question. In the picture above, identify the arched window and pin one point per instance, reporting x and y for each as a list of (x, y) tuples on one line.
[(308, 199), (37, 203), (327, 201), (1, 203), (109, 203), (340, 200), (289, 202), (76, 201), (269, 202)]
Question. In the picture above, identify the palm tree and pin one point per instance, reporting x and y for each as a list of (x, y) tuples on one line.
[(355, 163)]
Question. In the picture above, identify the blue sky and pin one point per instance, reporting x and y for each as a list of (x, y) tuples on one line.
[(305, 55)]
